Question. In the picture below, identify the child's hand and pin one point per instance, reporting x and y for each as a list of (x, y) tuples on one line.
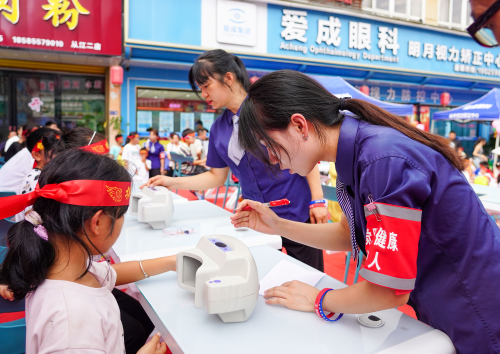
[(154, 346), (6, 293)]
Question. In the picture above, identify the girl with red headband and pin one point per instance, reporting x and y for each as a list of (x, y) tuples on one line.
[(78, 209), (39, 143), (131, 150)]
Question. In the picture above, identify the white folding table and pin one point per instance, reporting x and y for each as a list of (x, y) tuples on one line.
[(139, 241), (275, 329)]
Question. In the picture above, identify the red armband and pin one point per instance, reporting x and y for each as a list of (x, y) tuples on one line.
[(392, 236)]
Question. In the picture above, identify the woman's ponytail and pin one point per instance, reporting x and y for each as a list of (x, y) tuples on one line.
[(242, 75), (377, 116), (28, 260), (274, 98)]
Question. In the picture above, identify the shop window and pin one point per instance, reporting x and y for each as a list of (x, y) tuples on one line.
[(70, 101), (454, 14), (171, 111), (83, 102), (405, 9)]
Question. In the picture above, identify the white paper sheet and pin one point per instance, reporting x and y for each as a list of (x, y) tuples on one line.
[(286, 271)]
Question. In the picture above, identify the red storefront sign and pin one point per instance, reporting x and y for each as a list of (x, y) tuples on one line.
[(82, 26)]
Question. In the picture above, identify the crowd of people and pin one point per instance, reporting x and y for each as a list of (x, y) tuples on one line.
[(476, 168), (152, 158)]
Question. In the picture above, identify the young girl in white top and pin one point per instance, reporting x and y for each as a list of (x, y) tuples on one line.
[(132, 148), (78, 213)]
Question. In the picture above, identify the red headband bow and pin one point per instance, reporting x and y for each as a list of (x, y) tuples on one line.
[(79, 192), (99, 148)]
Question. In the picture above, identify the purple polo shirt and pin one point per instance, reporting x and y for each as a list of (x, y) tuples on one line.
[(256, 181), (457, 268)]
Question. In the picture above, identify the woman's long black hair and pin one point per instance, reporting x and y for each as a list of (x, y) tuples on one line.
[(274, 98), (30, 257), (216, 64)]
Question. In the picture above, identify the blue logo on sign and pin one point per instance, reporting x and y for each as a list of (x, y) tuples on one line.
[(237, 16)]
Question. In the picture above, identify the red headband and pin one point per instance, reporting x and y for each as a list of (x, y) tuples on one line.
[(79, 192), (188, 136), (38, 147), (100, 147)]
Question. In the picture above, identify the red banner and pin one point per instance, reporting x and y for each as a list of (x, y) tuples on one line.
[(82, 26)]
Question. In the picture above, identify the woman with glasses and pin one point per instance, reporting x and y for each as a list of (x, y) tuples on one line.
[(406, 206)]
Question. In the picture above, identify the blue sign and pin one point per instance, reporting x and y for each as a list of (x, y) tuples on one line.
[(309, 34)]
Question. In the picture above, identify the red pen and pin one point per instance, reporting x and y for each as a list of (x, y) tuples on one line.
[(274, 203)]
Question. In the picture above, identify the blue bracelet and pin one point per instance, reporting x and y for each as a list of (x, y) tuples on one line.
[(319, 201), (321, 309)]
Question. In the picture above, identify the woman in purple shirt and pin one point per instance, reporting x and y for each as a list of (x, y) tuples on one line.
[(406, 205), (224, 82), (156, 154)]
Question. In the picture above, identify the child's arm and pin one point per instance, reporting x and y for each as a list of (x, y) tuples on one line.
[(129, 272)]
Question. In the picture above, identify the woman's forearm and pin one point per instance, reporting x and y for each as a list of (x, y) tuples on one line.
[(330, 236), (129, 272), (363, 297), (216, 177)]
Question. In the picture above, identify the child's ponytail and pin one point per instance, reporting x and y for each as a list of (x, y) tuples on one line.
[(28, 260)]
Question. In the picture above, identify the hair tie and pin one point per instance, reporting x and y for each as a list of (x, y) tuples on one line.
[(36, 220), (342, 104)]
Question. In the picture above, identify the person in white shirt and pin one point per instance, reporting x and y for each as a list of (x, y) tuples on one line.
[(132, 148), (13, 137), (202, 136), (143, 166), (175, 147), (15, 171)]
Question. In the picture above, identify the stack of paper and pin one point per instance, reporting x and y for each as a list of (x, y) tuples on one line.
[(286, 271)]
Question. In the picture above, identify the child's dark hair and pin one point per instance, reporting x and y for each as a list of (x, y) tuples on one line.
[(174, 134), (30, 257), (144, 149), (49, 138), (76, 138), (187, 131), (216, 64), (484, 164), (118, 136)]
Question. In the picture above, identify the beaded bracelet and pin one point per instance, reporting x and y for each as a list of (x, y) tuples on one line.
[(319, 307)]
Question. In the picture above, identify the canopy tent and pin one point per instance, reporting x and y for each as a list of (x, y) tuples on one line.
[(483, 109), (340, 88)]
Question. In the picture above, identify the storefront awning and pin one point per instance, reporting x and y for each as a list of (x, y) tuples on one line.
[(485, 108), (340, 88)]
